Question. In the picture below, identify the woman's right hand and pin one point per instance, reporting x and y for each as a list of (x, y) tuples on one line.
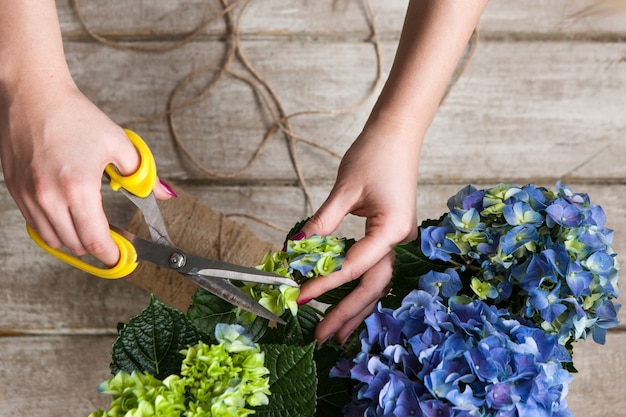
[(377, 180), (54, 146)]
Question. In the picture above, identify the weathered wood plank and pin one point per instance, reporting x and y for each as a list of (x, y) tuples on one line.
[(53, 376), (40, 292), (578, 19), (556, 109), (559, 18), (598, 388), (532, 110), (46, 376), (229, 125)]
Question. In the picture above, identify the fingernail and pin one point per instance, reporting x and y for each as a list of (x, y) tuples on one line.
[(323, 342), (298, 236), (168, 189), (304, 301)]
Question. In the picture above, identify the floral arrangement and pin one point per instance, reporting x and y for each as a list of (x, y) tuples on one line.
[(485, 308)]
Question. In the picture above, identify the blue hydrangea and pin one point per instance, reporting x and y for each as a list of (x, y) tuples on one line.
[(547, 252), (427, 358)]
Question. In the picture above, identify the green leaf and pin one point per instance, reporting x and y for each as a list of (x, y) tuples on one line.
[(410, 265), (297, 331), (207, 310), (332, 393), (152, 341), (300, 329), (293, 381)]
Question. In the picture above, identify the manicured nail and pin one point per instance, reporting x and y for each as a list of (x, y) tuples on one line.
[(168, 189), (298, 236), (323, 342), (304, 301)]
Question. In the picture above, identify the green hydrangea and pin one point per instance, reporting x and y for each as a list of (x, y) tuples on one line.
[(220, 380), (300, 260)]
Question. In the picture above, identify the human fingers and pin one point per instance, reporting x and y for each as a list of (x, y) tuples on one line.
[(164, 191), (67, 211), (362, 256), (352, 310), (343, 334), (331, 213), (91, 226)]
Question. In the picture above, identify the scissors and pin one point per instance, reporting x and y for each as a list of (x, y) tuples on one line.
[(211, 274)]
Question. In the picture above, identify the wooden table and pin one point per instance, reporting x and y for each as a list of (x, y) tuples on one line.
[(542, 99)]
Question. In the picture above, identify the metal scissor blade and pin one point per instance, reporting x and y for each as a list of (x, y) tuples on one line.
[(152, 215), (226, 270), (173, 258), (248, 277), (229, 292)]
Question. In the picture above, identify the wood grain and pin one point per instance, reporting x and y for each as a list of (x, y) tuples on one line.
[(540, 114), (541, 99)]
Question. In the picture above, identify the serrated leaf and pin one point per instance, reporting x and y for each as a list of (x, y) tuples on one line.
[(207, 310), (301, 330), (152, 341), (293, 381), (297, 331), (332, 393)]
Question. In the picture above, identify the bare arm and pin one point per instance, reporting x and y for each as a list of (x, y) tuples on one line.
[(54, 143), (377, 177)]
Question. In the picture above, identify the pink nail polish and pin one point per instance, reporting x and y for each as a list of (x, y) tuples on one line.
[(168, 189), (298, 236), (304, 301)]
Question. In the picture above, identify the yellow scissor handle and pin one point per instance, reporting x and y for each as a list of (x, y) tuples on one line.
[(126, 264), (141, 182)]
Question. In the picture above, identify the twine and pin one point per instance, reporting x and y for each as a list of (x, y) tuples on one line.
[(280, 118)]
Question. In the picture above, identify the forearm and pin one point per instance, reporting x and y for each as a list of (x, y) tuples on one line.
[(433, 39), (31, 46)]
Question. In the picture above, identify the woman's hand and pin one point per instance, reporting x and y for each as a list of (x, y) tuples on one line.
[(377, 180), (377, 177), (54, 145)]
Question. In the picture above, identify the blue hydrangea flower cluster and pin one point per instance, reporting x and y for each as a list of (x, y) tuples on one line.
[(429, 359), (545, 255)]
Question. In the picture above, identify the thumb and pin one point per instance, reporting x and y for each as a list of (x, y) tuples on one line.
[(328, 217), (128, 160), (123, 154)]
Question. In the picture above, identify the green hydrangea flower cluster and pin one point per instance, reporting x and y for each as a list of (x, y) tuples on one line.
[(300, 260), (220, 380)]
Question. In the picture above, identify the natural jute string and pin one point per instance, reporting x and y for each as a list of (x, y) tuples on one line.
[(232, 13)]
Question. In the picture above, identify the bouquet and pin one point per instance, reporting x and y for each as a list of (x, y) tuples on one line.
[(485, 308)]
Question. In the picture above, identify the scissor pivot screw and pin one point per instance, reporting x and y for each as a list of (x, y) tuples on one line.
[(177, 260)]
